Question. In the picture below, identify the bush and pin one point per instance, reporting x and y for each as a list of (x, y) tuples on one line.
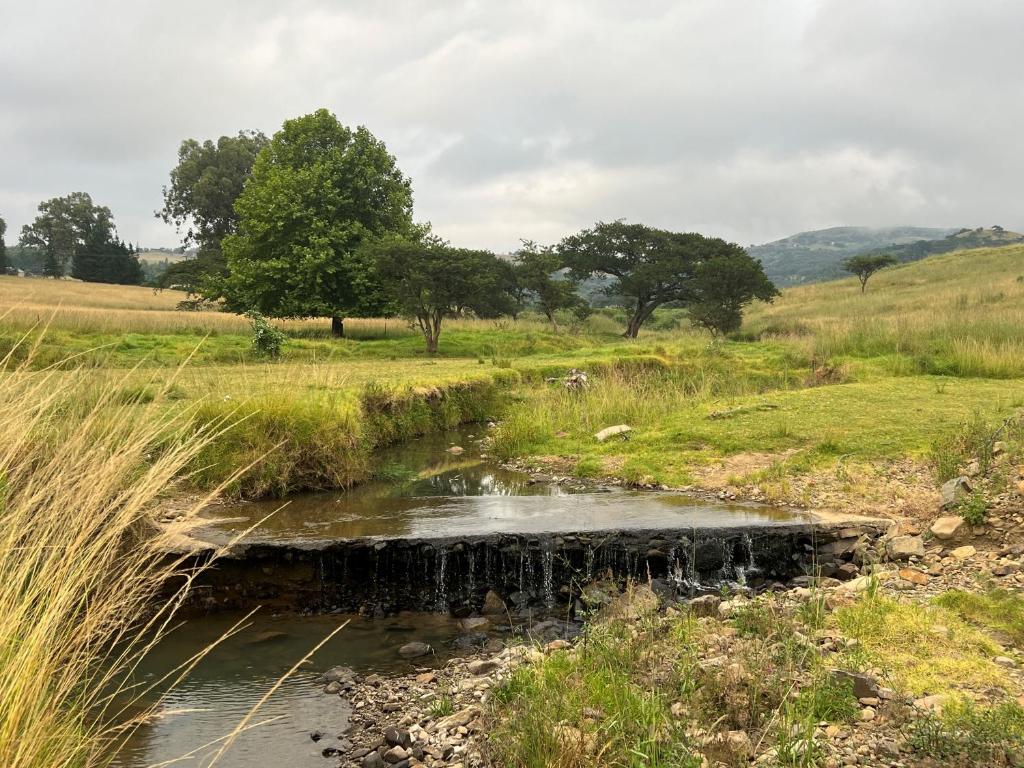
[(266, 339)]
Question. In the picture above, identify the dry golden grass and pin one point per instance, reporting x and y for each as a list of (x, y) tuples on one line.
[(79, 563)]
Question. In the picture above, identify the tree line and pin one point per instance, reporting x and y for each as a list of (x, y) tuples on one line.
[(317, 221)]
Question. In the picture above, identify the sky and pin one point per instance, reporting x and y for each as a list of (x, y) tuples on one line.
[(746, 120)]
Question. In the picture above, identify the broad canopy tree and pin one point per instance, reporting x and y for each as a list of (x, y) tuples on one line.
[(317, 192), (865, 265), (73, 231), (200, 199), (427, 280), (536, 271), (653, 267)]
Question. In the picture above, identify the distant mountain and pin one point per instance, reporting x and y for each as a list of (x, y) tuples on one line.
[(962, 239), (811, 257)]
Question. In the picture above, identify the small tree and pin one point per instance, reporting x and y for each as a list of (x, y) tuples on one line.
[(536, 270), (266, 339), (866, 265), (723, 285), (427, 280), (3, 247)]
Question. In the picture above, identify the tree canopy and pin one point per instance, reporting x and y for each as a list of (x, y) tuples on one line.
[(536, 276), (653, 267), (426, 280), (724, 284), (3, 246), (73, 231), (865, 265), (318, 190), (201, 197)]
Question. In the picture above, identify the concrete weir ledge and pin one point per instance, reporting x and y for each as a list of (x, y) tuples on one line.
[(546, 569)]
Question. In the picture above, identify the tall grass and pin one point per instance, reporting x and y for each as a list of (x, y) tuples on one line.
[(80, 562)]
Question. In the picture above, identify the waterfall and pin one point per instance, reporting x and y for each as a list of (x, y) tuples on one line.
[(548, 565), (441, 599)]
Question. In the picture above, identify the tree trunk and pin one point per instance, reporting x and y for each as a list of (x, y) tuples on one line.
[(554, 323), (338, 327), (633, 326)]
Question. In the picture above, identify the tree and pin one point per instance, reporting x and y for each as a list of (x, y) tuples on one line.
[(201, 197), (62, 226), (427, 280), (866, 265), (318, 191), (3, 247), (724, 284), (535, 270), (104, 259)]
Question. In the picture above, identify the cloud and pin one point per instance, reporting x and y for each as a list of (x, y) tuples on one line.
[(531, 120)]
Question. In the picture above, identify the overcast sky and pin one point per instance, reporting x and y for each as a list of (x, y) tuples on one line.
[(748, 120)]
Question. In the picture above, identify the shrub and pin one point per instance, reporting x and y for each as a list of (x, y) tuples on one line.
[(266, 339)]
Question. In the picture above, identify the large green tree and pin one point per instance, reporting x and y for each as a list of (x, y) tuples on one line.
[(318, 191), (61, 227), (103, 259), (200, 200), (653, 267), (537, 272), (724, 283), (426, 280)]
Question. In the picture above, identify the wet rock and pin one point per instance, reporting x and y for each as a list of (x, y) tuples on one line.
[(864, 686), (395, 737), (618, 429), (396, 755), (415, 650), (904, 547), (331, 752), (493, 604), (373, 760), (953, 490), (473, 622), (267, 636), (949, 527), (336, 674)]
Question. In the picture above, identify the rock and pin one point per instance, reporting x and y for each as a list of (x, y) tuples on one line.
[(847, 571), (493, 604), (739, 744), (482, 666), (267, 636), (414, 650), (373, 760), (557, 645), (930, 703), (705, 605), (618, 429), (473, 622), (1004, 661), (867, 714), (962, 553), (953, 490), (905, 547), (859, 584), (457, 719), (455, 450), (631, 605), (864, 686), (336, 674), (948, 527), (914, 576), (425, 678), (396, 755), (395, 737), (998, 448), (331, 752), (573, 740)]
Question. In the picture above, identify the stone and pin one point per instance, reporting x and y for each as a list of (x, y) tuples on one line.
[(998, 448), (395, 737), (739, 744), (914, 576), (455, 450), (493, 604), (705, 605), (948, 527), (336, 674), (414, 650), (962, 553), (373, 760), (457, 719), (473, 622), (482, 666), (905, 547), (867, 714), (1004, 661), (333, 688), (424, 678), (618, 429), (396, 754), (557, 645), (953, 490), (930, 703), (864, 686)]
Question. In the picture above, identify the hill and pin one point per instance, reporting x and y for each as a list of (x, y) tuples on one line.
[(810, 257), (963, 239)]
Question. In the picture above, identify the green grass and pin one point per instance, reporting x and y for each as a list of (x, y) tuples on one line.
[(997, 610)]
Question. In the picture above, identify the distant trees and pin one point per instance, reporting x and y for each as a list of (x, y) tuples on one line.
[(73, 231), (866, 265), (317, 192), (3, 247), (653, 267), (205, 183), (427, 280), (536, 273)]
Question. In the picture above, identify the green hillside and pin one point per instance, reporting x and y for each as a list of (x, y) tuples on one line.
[(810, 257), (963, 239)]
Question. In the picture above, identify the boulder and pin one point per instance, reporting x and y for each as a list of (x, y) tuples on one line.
[(493, 604), (473, 622), (962, 553), (949, 527), (618, 429), (414, 650), (482, 666), (705, 605), (953, 490), (396, 754), (864, 686), (904, 547), (373, 760)]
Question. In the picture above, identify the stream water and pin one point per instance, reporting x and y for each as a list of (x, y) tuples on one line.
[(424, 490)]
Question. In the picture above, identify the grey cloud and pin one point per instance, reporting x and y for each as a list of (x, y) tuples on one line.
[(748, 120)]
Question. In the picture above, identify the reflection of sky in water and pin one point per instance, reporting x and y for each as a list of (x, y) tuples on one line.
[(434, 493), (225, 685)]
